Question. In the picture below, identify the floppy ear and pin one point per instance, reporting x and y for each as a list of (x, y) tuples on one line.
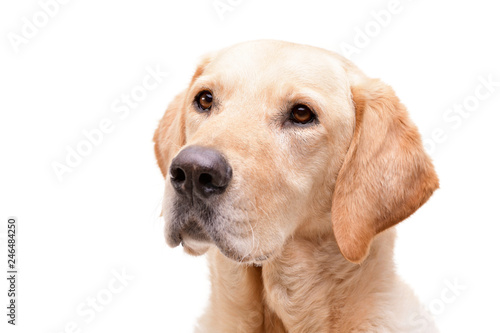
[(170, 135), (386, 174)]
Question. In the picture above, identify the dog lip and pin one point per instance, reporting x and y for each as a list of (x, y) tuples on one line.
[(180, 231), (173, 240), (194, 246)]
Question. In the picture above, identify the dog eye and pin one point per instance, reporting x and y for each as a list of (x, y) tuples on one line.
[(204, 100), (301, 114)]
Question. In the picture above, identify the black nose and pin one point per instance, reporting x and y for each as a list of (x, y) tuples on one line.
[(199, 170)]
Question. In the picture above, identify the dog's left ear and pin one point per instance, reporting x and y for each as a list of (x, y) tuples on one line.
[(386, 174)]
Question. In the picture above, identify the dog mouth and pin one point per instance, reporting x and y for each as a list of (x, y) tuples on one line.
[(196, 240), (192, 246), (187, 233)]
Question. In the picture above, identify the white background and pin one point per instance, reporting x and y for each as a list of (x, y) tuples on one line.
[(103, 216)]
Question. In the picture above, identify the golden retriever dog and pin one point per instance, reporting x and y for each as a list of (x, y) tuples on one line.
[(289, 167)]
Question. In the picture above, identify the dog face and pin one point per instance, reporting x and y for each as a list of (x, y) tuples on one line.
[(273, 139)]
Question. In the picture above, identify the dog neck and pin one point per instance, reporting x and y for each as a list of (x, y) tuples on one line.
[(309, 286)]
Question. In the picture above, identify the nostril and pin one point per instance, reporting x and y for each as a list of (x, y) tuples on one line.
[(178, 175), (205, 179), (199, 171)]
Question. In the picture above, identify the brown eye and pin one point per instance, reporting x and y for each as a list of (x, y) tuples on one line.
[(301, 114), (204, 100)]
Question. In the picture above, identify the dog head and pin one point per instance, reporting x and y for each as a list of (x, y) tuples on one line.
[(273, 139)]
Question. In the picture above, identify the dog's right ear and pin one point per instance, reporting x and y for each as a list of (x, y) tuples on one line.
[(170, 135)]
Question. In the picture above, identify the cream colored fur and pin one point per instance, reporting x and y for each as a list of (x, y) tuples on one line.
[(304, 238)]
